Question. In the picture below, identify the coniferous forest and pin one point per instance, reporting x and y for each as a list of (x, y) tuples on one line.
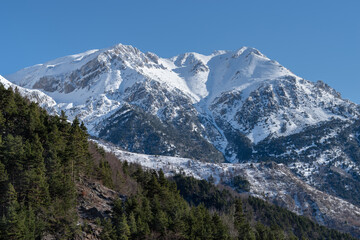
[(44, 158)]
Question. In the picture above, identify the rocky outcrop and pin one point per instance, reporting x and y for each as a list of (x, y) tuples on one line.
[(95, 202)]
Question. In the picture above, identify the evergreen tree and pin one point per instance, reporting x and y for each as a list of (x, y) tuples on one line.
[(132, 224), (122, 228), (9, 107), (3, 188), (161, 222), (2, 123), (143, 228), (12, 155), (108, 232), (241, 224), (35, 179), (12, 227), (105, 173), (162, 180), (78, 156), (55, 148), (220, 231), (10, 198), (30, 223)]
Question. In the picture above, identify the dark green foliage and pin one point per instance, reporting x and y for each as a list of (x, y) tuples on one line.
[(41, 158), (242, 225), (280, 218), (240, 184), (108, 232), (158, 211), (12, 225), (105, 174), (3, 188), (201, 191)]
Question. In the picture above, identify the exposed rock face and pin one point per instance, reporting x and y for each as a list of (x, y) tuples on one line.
[(95, 202)]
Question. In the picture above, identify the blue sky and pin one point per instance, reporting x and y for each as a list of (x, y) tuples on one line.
[(317, 40)]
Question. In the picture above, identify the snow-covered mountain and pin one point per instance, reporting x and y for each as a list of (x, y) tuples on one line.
[(229, 106), (227, 91)]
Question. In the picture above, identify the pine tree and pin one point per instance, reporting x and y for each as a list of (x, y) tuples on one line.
[(10, 198), (146, 213), (162, 180), (132, 224), (55, 147), (241, 224), (30, 222), (35, 125), (105, 173), (12, 227), (3, 187), (2, 123), (108, 232), (12, 155), (153, 187), (125, 167), (122, 228), (9, 110), (143, 228), (3, 176), (161, 223), (220, 231), (78, 156), (178, 224), (36, 183)]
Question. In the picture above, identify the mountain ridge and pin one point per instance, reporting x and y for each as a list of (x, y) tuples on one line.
[(72, 80)]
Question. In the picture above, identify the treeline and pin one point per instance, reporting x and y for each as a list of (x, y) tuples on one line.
[(157, 211), (264, 218), (187, 208)]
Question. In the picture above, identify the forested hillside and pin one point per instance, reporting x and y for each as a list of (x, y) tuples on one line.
[(43, 160)]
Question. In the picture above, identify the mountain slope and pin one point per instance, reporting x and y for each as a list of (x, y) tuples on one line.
[(229, 106)]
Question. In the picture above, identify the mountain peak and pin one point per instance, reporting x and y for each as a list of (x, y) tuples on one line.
[(246, 51), (124, 49)]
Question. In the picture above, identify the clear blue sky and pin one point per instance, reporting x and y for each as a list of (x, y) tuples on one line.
[(315, 39)]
